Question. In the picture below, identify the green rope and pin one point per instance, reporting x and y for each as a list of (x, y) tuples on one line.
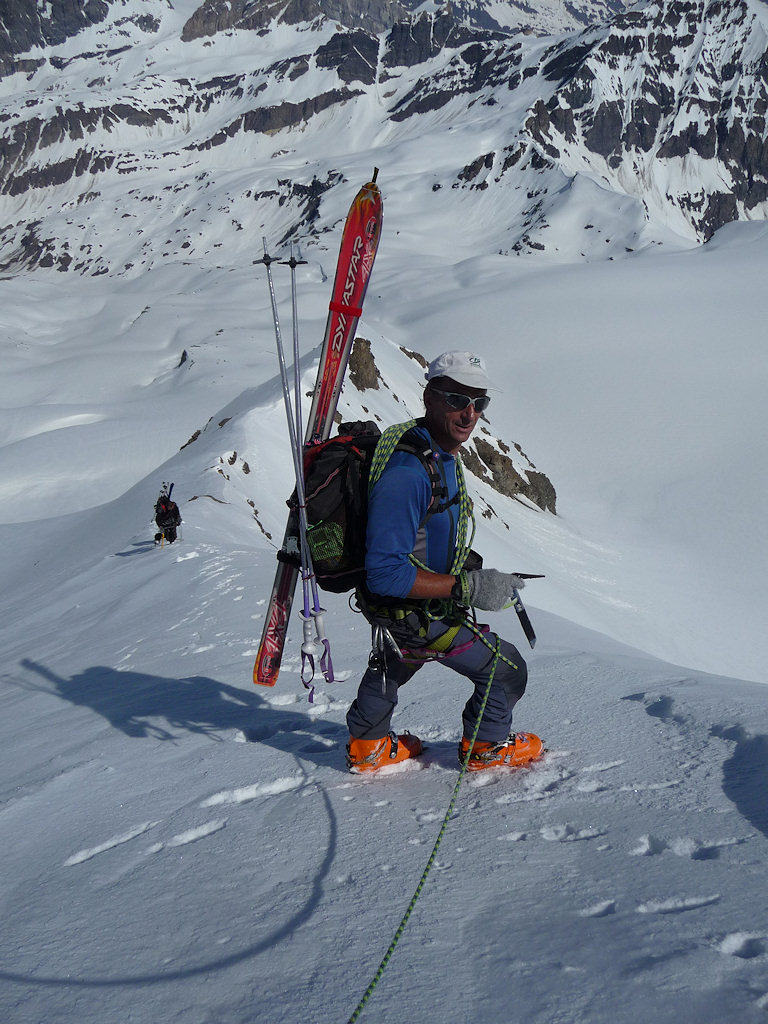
[(401, 927), (385, 448), (466, 516)]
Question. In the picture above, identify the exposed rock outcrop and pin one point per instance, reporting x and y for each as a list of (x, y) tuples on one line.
[(488, 458), (363, 372)]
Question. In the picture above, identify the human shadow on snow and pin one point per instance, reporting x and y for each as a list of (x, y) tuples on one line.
[(134, 702), (138, 546), (159, 707)]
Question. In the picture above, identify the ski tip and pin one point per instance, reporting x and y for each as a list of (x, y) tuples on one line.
[(370, 190)]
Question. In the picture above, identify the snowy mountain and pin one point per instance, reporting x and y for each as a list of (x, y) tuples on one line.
[(27, 24), (668, 106), (656, 117), (180, 844)]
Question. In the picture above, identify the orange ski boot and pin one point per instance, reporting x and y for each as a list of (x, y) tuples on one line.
[(519, 748), (370, 755)]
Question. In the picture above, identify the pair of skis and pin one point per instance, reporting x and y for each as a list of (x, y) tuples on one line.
[(315, 647), (359, 242)]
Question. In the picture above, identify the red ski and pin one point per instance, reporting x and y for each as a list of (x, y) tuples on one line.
[(359, 242)]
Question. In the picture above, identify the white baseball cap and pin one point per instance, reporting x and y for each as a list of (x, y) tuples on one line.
[(463, 367)]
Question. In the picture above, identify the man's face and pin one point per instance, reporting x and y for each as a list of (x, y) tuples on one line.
[(450, 427)]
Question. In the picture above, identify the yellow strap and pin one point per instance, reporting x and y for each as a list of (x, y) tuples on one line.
[(441, 643)]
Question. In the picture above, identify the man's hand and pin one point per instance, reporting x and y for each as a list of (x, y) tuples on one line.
[(489, 589)]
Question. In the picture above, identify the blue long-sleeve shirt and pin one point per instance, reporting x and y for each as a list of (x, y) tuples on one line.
[(398, 505)]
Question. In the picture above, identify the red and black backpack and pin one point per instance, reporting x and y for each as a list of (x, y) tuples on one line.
[(336, 474)]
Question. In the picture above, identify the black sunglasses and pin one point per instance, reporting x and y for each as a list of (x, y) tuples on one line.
[(458, 402)]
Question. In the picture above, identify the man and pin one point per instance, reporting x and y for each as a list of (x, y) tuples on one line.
[(167, 517), (422, 581)]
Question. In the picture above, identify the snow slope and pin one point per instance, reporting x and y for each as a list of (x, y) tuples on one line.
[(178, 844)]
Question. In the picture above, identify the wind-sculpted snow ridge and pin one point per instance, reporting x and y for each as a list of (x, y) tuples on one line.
[(227, 459), (161, 133)]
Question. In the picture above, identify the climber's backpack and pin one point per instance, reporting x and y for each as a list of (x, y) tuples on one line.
[(336, 475), (166, 512)]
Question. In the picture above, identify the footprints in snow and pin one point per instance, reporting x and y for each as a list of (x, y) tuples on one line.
[(648, 846), (744, 782), (301, 735), (742, 945), (745, 771), (745, 945)]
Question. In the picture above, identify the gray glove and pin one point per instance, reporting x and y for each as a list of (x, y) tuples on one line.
[(490, 589)]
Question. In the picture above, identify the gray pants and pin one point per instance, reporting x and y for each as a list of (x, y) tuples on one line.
[(370, 715)]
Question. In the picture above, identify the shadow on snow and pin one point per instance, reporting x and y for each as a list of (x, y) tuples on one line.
[(158, 707), (136, 704)]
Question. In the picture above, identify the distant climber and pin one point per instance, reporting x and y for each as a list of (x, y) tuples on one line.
[(167, 516)]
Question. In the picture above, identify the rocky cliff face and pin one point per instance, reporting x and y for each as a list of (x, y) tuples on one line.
[(214, 16), (536, 17), (132, 132), (26, 25), (669, 105)]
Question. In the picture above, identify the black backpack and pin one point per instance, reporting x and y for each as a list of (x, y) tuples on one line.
[(167, 512), (336, 475)]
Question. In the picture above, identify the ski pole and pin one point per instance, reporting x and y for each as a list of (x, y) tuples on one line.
[(326, 665), (293, 263), (308, 577), (307, 570), (307, 647), (315, 613)]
